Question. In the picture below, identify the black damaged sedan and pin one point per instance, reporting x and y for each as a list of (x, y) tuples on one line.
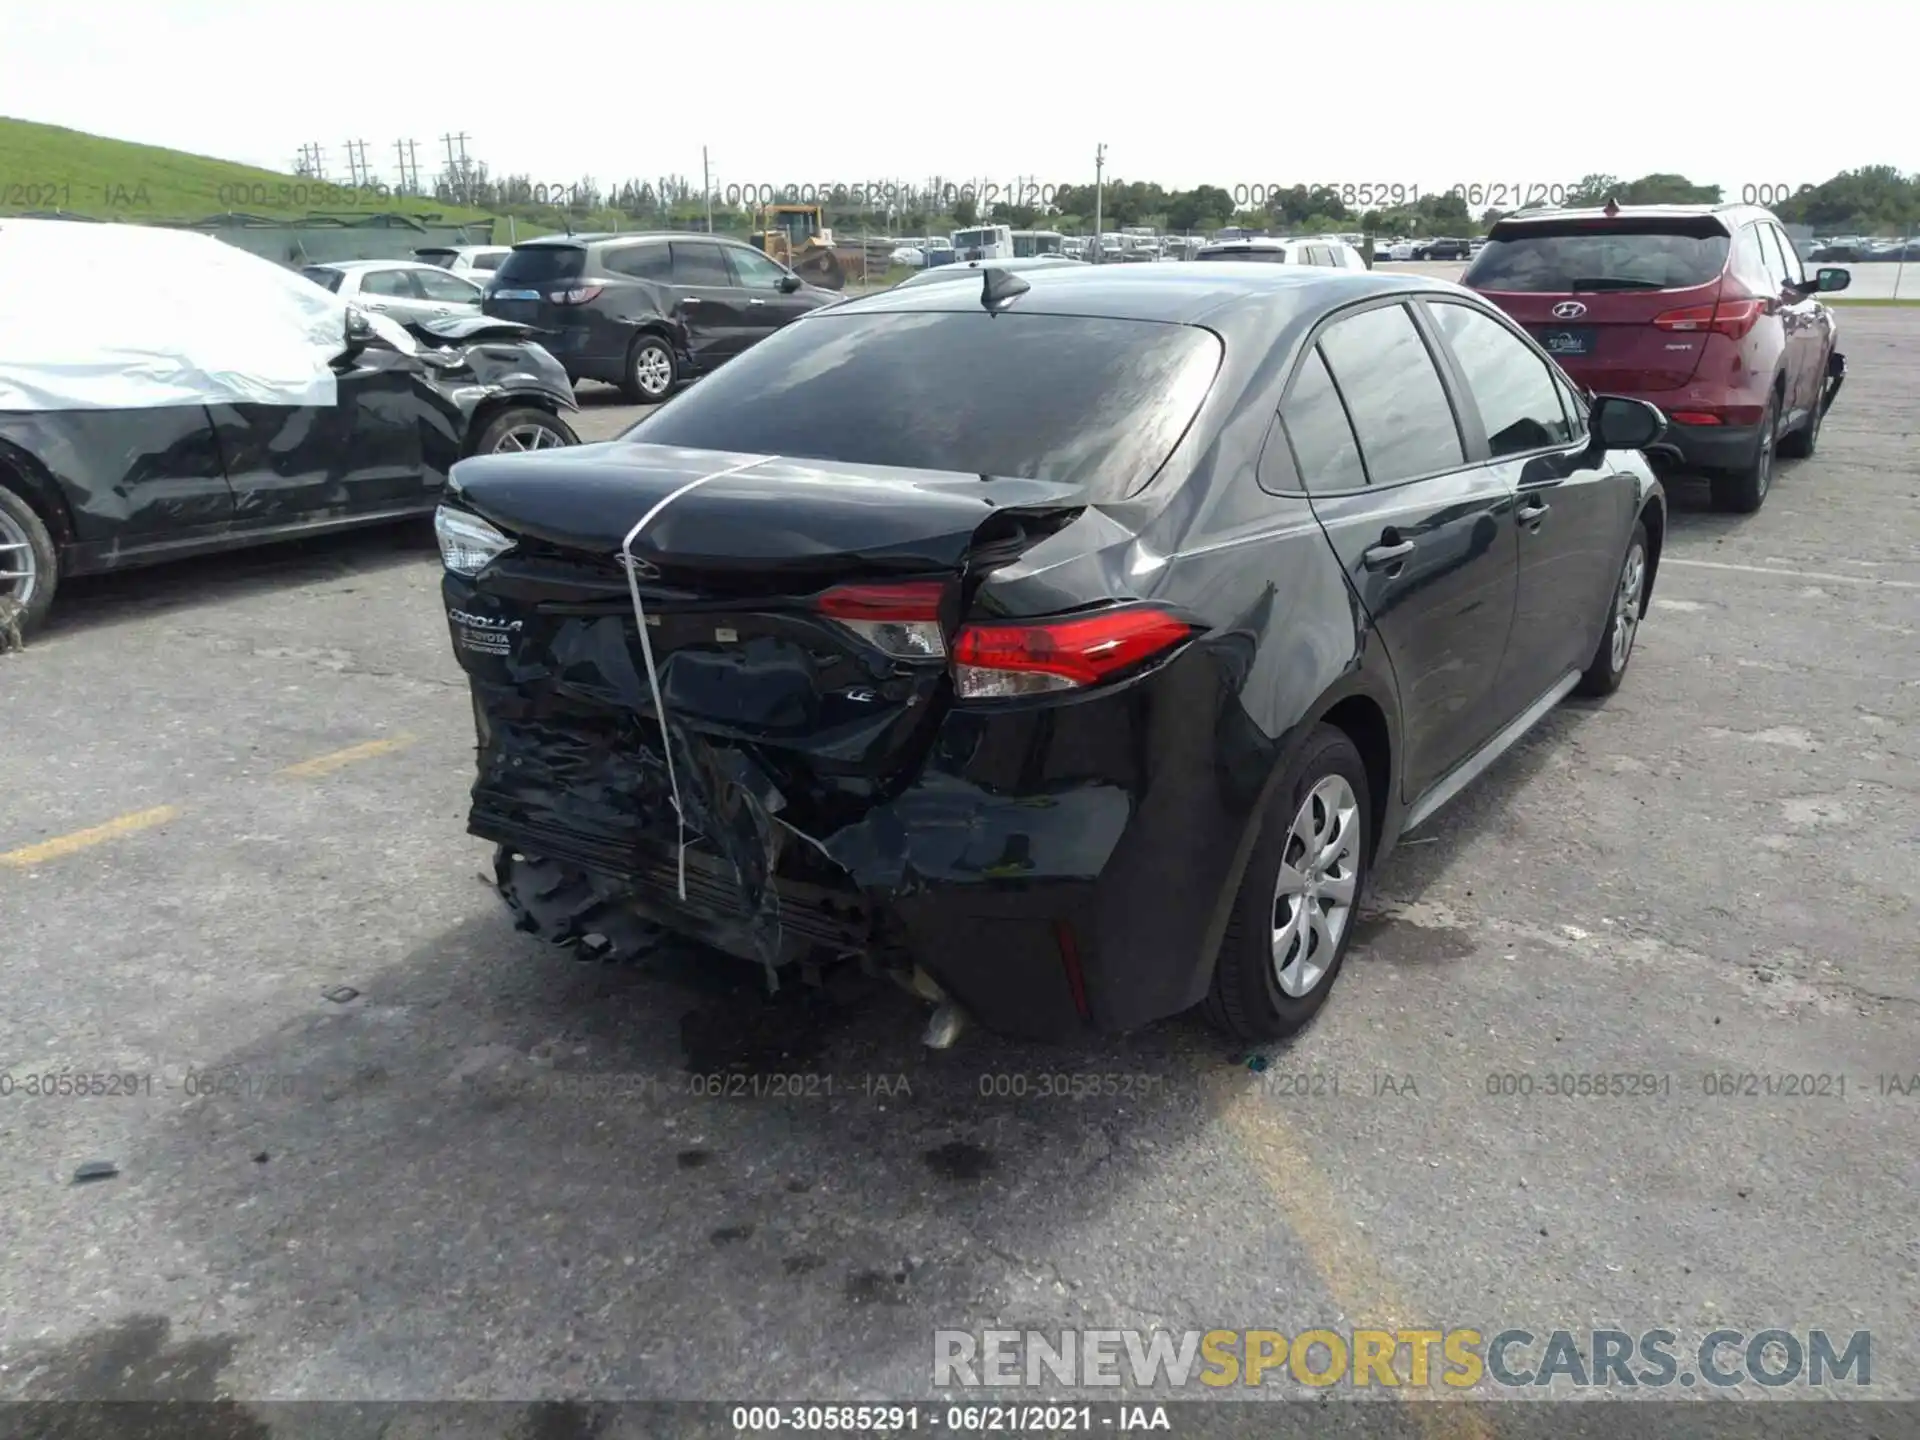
[(1075, 644)]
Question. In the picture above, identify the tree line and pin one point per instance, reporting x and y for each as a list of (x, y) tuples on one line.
[(1872, 198)]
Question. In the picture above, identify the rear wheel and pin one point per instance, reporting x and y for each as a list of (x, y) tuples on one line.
[(29, 569), (1743, 491), (524, 428), (1293, 918), (651, 371), (1801, 443)]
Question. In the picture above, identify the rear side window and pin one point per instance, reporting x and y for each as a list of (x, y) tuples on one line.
[(321, 276), (700, 263), (1393, 392), (641, 262), (537, 265), (1518, 400), (1664, 254), (488, 260), (1325, 453), (1097, 403), (395, 283)]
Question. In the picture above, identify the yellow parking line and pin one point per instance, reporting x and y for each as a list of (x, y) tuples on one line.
[(1315, 1212), (353, 754), (79, 840)]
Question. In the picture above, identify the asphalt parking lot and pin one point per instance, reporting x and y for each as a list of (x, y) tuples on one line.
[(228, 788)]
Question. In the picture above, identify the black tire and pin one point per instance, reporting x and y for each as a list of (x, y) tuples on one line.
[(646, 382), (1743, 491), (1609, 664), (1800, 444), (1245, 1000), (518, 422), (568, 907), (21, 525)]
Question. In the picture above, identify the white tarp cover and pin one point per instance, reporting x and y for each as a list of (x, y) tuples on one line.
[(134, 317)]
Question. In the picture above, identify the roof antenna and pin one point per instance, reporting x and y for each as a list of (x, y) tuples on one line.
[(999, 287)]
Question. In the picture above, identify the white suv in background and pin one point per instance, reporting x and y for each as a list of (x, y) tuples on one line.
[(1325, 250), (472, 262)]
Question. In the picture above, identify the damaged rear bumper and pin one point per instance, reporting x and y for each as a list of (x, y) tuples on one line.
[(1057, 868)]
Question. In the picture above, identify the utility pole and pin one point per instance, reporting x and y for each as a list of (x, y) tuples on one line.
[(404, 151), (1099, 173), (706, 185)]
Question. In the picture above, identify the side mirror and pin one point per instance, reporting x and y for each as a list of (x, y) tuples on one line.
[(789, 284), (1623, 424), (359, 335), (1829, 278)]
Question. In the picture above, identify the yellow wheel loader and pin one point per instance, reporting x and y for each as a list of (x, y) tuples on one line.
[(797, 236)]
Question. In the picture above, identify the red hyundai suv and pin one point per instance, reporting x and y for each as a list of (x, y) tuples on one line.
[(1702, 310)]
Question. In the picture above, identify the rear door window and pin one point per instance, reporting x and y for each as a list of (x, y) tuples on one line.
[(395, 284), (641, 262), (1750, 264), (752, 270), (446, 289), (699, 262), (320, 275), (1393, 391), (1550, 257), (1791, 270), (1515, 392), (1325, 453), (1097, 403)]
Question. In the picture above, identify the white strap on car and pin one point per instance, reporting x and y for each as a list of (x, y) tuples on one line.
[(646, 646)]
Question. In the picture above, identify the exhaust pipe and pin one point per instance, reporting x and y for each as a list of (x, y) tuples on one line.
[(948, 1020)]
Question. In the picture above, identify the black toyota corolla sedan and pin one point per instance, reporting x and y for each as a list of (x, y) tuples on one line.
[(1077, 643)]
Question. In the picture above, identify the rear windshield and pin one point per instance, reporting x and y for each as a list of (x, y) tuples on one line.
[(442, 258), (1624, 255), (320, 275), (1271, 257), (537, 264), (1097, 403)]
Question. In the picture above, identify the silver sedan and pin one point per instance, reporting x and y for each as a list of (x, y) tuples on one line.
[(404, 289)]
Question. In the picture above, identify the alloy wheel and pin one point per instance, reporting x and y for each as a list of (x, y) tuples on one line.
[(528, 437), (1626, 605), (652, 370), (1314, 896), (19, 572)]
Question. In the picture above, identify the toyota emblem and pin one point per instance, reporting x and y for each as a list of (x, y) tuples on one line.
[(1569, 310)]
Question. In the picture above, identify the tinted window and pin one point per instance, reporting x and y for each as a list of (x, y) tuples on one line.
[(1324, 451), (642, 262), (320, 275), (1623, 255), (1518, 400), (700, 263), (1393, 392), (531, 266), (442, 258), (388, 282), (753, 270), (1275, 257), (448, 289), (1092, 402)]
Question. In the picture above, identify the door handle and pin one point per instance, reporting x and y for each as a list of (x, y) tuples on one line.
[(375, 305), (690, 300), (1381, 556), (756, 302), (1532, 513)]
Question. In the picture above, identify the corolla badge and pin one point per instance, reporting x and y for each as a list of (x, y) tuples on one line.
[(639, 569), (1569, 310)]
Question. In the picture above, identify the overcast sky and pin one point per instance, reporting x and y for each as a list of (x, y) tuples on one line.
[(1223, 91)]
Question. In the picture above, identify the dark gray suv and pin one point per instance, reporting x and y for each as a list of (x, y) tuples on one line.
[(648, 310)]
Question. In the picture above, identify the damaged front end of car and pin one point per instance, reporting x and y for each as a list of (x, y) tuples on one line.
[(727, 698)]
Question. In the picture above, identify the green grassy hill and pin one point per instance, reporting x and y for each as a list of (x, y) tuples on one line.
[(45, 167)]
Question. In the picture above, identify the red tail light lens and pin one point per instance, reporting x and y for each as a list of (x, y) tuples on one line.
[(901, 620), (993, 662), (575, 297), (1732, 318)]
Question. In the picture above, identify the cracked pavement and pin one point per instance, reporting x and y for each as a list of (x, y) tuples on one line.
[(497, 1174)]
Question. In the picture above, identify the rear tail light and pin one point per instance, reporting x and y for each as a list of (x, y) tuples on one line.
[(1694, 417), (1732, 318), (997, 662), (575, 297), (900, 620)]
